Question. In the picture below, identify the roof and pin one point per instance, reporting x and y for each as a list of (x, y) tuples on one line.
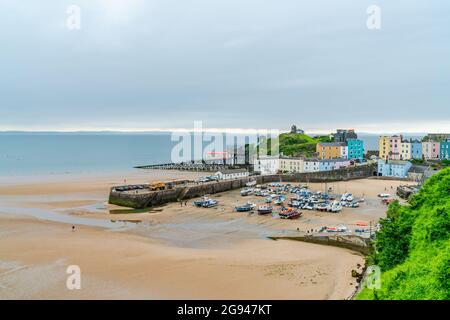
[(334, 160), (418, 169), (311, 160), (395, 162), (231, 171), (332, 144)]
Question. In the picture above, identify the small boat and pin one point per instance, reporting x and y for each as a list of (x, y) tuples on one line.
[(279, 201), (384, 195), (347, 197), (336, 208), (200, 203), (264, 209), (246, 192), (210, 203), (289, 213), (246, 207), (354, 204), (251, 183)]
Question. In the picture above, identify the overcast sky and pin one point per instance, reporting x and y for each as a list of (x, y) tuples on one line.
[(138, 65)]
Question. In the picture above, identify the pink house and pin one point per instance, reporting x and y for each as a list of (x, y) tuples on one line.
[(430, 150), (395, 144)]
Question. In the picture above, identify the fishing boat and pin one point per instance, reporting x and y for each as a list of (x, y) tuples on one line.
[(210, 203), (201, 202), (251, 183), (289, 213), (246, 192), (246, 207), (264, 209), (280, 200)]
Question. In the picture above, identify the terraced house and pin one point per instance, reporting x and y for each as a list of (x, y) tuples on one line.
[(333, 164), (291, 164), (395, 145), (393, 168), (330, 150), (355, 149), (405, 150), (445, 149), (384, 147), (431, 150), (416, 149)]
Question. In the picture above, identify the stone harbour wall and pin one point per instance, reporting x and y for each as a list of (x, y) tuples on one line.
[(156, 198)]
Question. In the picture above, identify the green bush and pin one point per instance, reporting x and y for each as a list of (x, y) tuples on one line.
[(413, 246)]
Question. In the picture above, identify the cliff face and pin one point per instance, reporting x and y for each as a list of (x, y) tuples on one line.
[(413, 246)]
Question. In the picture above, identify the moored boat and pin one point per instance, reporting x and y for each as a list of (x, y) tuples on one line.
[(264, 209), (210, 203), (289, 213), (246, 207)]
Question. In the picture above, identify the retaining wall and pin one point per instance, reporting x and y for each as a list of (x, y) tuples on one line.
[(355, 243)]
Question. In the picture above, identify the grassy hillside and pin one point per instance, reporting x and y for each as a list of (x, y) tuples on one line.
[(413, 246), (296, 144)]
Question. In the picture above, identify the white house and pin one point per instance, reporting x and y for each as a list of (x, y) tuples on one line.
[(232, 174), (267, 164), (405, 150), (344, 151), (291, 164), (311, 165)]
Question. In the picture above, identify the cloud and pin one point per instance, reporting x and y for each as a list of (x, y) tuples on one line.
[(164, 64)]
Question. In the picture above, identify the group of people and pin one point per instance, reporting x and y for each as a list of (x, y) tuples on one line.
[(185, 203)]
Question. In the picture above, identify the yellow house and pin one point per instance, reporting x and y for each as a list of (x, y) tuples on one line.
[(384, 147), (329, 150)]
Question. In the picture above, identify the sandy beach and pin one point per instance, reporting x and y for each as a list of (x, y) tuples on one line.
[(171, 252)]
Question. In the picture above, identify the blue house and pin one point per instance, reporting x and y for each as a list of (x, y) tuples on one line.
[(445, 150), (416, 149), (355, 149), (333, 164), (393, 168)]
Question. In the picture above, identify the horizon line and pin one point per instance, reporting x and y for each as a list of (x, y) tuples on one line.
[(206, 130)]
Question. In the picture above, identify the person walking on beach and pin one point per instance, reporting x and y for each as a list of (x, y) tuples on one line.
[(73, 228)]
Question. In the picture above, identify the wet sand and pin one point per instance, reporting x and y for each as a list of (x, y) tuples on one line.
[(171, 252)]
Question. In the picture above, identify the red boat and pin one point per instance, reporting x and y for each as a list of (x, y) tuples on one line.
[(289, 213)]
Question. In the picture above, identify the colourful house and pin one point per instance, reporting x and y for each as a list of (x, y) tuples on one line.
[(445, 150), (416, 150), (395, 145), (355, 149), (311, 165), (333, 164), (393, 168), (329, 150), (431, 150), (384, 147), (405, 150)]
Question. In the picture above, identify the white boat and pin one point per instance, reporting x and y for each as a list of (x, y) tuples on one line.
[(251, 183)]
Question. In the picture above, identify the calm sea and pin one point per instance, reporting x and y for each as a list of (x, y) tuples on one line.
[(62, 153)]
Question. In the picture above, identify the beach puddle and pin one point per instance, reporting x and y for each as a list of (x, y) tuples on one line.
[(63, 218)]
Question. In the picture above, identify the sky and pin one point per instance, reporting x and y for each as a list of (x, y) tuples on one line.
[(143, 65)]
